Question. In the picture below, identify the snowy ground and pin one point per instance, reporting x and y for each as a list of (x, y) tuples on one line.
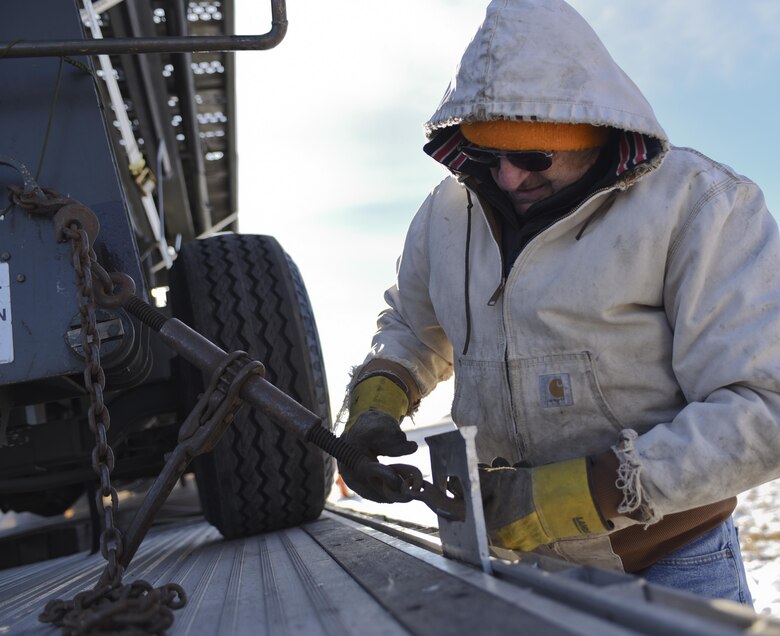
[(757, 516), (758, 519)]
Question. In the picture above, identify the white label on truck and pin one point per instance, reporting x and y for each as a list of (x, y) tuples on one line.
[(6, 330)]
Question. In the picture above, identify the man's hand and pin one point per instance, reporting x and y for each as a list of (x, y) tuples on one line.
[(376, 407), (528, 507), (375, 433)]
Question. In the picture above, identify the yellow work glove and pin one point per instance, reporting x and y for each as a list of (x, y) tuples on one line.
[(528, 507), (377, 405)]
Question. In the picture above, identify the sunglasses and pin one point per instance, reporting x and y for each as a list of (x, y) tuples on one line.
[(530, 160)]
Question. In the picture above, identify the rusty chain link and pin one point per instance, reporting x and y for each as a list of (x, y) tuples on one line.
[(111, 607), (201, 430), (137, 608), (98, 417)]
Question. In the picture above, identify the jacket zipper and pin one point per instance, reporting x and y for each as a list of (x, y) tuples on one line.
[(502, 284), (497, 294), (494, 299)]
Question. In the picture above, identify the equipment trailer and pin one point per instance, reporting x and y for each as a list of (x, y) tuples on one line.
[(117, 151)]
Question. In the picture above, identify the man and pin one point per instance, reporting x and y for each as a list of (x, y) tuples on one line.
[(609, 306)]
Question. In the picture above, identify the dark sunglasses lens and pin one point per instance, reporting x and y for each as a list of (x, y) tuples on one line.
[(481, 156), (531, 161)]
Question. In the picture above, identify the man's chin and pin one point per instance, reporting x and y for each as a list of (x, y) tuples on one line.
[(523, 201)]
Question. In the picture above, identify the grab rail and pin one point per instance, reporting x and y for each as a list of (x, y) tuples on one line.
[(173, 44)]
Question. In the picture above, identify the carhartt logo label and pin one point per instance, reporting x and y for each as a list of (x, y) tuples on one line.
[(555, 390), (555, 387)]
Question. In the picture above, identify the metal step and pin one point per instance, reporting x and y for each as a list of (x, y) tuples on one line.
[(336, 576)]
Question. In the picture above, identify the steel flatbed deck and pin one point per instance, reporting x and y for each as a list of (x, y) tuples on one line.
[(340, 575)]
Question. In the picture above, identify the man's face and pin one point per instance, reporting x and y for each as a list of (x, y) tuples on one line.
[(526, 188)]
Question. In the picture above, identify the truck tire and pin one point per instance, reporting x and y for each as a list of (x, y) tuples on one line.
[(243, 292)]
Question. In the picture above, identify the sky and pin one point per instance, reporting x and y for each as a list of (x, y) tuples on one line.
[(330, 127)]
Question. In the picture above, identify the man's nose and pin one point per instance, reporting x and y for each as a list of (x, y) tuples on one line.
[(508, 176)]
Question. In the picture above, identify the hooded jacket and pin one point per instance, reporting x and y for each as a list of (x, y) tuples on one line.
[(646, 319)]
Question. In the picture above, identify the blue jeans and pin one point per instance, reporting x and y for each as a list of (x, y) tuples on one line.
[(709, 566)]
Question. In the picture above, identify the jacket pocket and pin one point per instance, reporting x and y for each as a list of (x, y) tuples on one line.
[(482, 399), (559, 407)]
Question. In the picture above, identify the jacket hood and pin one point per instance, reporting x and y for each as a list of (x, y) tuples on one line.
[(540, 60)]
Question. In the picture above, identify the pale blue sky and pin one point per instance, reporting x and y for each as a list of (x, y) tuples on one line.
[(330, 126)]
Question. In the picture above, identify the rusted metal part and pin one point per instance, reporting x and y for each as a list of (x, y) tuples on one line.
[(137, 608), (199, 433), (111, 606), (81, 216), (35, 199), (98, 418), (112, 290), (217, 408), (264, 396), (446, 506), (30, 187), (116, 46), (399, 482)]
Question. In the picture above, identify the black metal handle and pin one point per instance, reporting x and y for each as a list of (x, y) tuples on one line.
[(175, 44)]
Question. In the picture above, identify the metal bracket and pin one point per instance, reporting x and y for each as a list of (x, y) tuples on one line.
[(454, 457), (109, 328)]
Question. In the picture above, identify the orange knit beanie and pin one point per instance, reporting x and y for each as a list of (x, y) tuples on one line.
[(504, 134)]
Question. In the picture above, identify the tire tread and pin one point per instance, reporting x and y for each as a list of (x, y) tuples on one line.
[(244, 292)]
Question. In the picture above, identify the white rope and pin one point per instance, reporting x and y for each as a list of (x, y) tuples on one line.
[(628, 481)]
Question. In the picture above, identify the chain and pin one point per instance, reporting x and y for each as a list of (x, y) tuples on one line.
[(133, 609), (98, 417), (111, 607), (71, 219)]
